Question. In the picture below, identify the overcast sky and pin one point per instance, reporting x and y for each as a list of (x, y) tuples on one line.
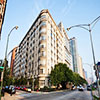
[(70, 12)]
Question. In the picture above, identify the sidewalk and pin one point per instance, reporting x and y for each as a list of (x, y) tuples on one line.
[(13, 97), (95, 93)]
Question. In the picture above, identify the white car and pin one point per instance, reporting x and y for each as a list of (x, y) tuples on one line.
[(28, 89), (80, 88)]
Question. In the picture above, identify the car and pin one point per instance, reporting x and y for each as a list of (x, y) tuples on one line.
[(23, 88), (80, 88), (3, 91), (28, 89), (6, 88), (89, 88), (77, 87), (73, 88), (18, 88), (12, 89)]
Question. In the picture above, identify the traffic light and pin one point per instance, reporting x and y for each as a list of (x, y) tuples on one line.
[(1, 62), (97, 74), (1, 65)]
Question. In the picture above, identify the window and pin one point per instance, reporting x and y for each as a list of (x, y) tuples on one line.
[(43, 24), (43, 53), (41, 71), (43, 30), (33, 55), (43, 16), (43, 62), (30, 57), (42, 82), (42, 45), (30, 51), (31, 45), (42, 38)]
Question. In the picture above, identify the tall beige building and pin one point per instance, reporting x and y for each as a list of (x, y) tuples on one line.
[(80, 67), (44, 45)]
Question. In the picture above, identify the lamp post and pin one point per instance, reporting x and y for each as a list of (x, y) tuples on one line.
[(5, 60), (89, 28), (16, 27)]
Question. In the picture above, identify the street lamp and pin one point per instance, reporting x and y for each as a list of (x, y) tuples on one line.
[(16, 27), (5, 60), (89, 28)]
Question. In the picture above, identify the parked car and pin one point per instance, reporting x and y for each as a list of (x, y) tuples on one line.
[(80, 88), (89, 88), (12, 89), (28, 89), (24, 88), (73, 88), (18, 88), (3, 91), (6, 88)]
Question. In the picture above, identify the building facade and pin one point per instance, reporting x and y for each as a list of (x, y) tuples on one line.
[(12, 61), (44, 45), (2, 13), (81, 67), (74, 53)]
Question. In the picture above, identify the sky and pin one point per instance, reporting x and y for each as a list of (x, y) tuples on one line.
[(69, 12)]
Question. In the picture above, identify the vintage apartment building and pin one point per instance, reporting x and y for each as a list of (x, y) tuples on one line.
[(2, 13), (44, 45)]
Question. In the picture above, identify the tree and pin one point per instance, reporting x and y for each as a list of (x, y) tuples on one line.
[(36, 84), (78, 80), (61, 74)]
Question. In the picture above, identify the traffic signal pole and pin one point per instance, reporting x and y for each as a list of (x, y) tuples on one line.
[(2, 74)]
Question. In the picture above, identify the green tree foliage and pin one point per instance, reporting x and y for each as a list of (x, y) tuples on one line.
[(78, 79), (31, 81), (7, 80), (36, 83), (61, 74)]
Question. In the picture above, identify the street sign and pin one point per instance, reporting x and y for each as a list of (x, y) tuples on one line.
[(1, 67)]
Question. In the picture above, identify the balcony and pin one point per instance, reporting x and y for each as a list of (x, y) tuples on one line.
[(42, 54), (42, 41), (42, 31), (42, 63), (42, 23), (42, 48)]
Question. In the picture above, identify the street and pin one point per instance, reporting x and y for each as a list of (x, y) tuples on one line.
[(69, 95)]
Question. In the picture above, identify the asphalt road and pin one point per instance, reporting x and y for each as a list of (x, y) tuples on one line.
[(71, 95)]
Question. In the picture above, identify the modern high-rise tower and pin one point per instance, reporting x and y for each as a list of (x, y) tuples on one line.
[(74, 53)]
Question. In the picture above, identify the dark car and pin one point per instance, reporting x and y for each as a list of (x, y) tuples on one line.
[(73, 88), (89, 88), (12, 89), (3, 91), (6, 88)]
